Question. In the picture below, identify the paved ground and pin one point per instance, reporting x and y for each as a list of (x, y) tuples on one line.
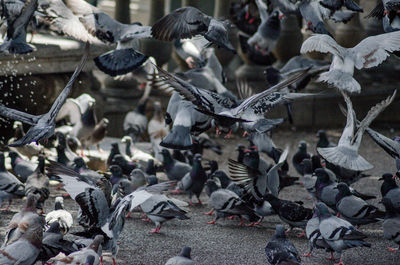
[(226, 243)]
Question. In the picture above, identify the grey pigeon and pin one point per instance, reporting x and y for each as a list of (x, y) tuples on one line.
[(227, 203), (268, 31), (280, 250), (182, 259), (38, 184), (390, 190), (345, 154), (299, 156), (391, 224), (125, 57), (174, 169), (191, 51), (43, 125), (338, 233), (337, 5), (314, 236), (10, 186), (15, 41), (323, 140), (186, 22), (21, 167), (354, 209), (387, 10), (193, 181), (370, 52)]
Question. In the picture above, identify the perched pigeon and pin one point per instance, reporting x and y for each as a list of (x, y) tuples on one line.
[(299, 156), (370, 52), (338, 233), (21, 167), (43, 125), (15, 41), (38, 184), (280, 250), (60, 215), (174, 169), (391, 224), (10, 186), (193, 181), (125, 57), (345, 154), (390, 190), (186, 22), (354, 209), (182, 259)]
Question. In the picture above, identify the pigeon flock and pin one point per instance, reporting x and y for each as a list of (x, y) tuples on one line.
[(54, 155)]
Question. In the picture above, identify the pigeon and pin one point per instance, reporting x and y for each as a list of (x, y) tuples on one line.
[(60, 215), (174, 169), (98, 134), (53, 243), (314, 236), (390, 190), (191, 51), (124, 164), (370, 52), (193, 181), (337, 5), (38, 184), (292, 213), (354, 209), (15, 41), (227, 203), (268, 32), (157, 130), (22, 168), (81, 256), (280, 250), (186, 22), (85, 174), (10, 186), (391, 224), (24, 251), (138, 178), (182, 259), (135, 153), (81, 114), (339, 234), (125, 57), (43, 125), (135, 121), (28, 150), (299, 156), (225, 112), (113, 152), (391, 146), (387, 10), (345, 154), (323, 141), (223, 178)]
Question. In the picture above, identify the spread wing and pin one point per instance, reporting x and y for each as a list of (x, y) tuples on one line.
[(18, 115), (322, 43), (182, 23), (372, 51)]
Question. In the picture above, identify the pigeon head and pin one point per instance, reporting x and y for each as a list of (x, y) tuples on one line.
[(137, 174), (321, 134), (186, 252), (316, 162), (115, 170), (126, 140), (211, 186), (59, 203), (252, 159), (322, 175), (31, 200), (89, 260), (54, 227), (387, 177), (302, 146), (322, 210), (280, 231), (114, 147), (96, 242)]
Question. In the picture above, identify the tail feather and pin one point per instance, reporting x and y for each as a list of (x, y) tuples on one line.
[(344, 157), (178, 138), (15, 47), (351, 5), (340, 80), (120, 61)]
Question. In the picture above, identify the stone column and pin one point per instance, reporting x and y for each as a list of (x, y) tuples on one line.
[(290, 41), (122, 11), (160, 50), (351, 33)]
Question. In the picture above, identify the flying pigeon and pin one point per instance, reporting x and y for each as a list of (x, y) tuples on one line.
[(187, 22), (387, 10), (369, 53), (43, 125)]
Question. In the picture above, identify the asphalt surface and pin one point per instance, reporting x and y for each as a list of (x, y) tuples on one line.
[(227, 243)]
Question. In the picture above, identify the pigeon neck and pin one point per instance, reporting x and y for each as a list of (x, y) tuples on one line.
[(128, 148), (58, 206), (388, 185)]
